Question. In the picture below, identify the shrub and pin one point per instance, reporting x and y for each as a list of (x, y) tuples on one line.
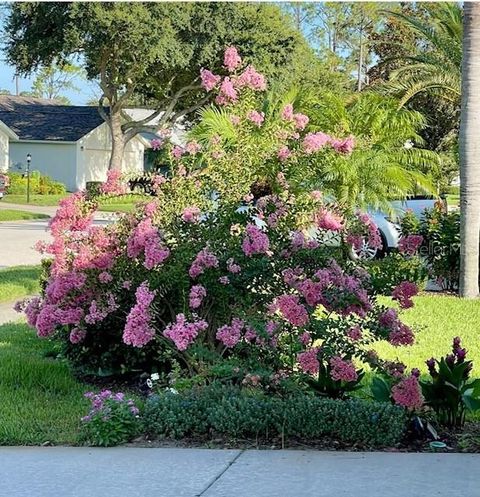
[(449, 392), (112, 419), (441, 243), (221, 266), (240, 413), (39, 185), (387, 273)]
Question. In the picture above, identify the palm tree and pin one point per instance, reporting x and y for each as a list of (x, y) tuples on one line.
[(388, 161), (436, 68), (379, 168), (470, 154)]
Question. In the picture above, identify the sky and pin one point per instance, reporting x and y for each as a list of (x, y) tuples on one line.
[(7, 81)]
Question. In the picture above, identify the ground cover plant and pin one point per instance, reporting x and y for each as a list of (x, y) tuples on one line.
[(16, 215)]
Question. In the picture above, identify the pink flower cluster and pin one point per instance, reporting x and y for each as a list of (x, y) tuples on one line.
[(209, 80), (407, 393), (252, 79), (231, 334), (114, 184), (231, 59), (73, 214), (255, 241), (100, 404), (301, 120), (197, 294), (98, 313), (193, 147), (284, 153), (50, 316), (404, 292), (204, 260), (146, 238), (308, 361), (183, 333), (233, 267), (355, 333), (342, 370), (227, 94), (336, 291), (398, 332), (291, 309), (191, 214), (138, 330), (410, 244), (368, 230), (313, 142), (329, 220), (229, 86), (156, 144), (256, 117)]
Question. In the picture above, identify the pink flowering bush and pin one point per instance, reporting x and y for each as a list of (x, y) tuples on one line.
[(225, 272)]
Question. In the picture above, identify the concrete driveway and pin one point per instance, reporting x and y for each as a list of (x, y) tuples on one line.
[(17, 239), (139, 472)]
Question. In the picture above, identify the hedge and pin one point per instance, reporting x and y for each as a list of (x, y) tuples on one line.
[(237, 414)]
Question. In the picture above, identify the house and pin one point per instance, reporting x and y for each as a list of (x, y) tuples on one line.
[(71, 144), (6, 134)]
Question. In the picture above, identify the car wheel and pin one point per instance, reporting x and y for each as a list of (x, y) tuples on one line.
[(366, 252)]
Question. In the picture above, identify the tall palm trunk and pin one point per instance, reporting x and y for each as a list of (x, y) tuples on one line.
[(470, 153)]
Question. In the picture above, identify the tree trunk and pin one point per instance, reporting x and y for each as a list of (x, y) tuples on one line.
[(470, 153), (360, 63), (118, 140)]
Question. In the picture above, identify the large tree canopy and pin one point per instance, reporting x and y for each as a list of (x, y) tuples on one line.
[(150, 49)]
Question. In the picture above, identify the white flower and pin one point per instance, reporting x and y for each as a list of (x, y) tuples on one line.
[(172, 390), (155, 376)]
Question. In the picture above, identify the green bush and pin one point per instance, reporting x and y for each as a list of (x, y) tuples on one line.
[(39, 185), (387, 273), (236, 413), (452, 190), (112, 420), (441, 243)]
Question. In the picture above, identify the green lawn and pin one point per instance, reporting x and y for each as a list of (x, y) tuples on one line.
[(14, 215), (40, 399), (18, 282), (34, 199), (125, 203), (437, 320), (453, 200)]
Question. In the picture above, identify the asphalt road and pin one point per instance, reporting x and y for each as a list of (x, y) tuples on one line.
[(142, 472)]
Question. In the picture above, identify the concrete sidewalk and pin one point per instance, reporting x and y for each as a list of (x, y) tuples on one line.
[(139, 472)]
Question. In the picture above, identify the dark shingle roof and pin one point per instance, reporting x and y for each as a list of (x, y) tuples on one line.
[(39, 119)]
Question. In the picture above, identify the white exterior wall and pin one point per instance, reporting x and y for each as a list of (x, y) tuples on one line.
[(93, 155), (54, 159), (4, 157)]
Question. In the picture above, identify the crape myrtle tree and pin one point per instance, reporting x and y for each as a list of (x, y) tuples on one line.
[(155, 50)]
